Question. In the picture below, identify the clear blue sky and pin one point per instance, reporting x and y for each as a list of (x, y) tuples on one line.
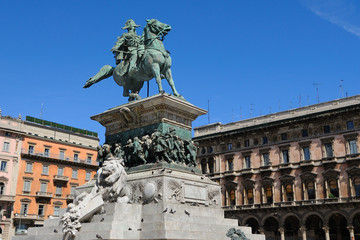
[(237, 54)]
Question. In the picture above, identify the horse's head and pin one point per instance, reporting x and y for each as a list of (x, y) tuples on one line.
[(158, 27)]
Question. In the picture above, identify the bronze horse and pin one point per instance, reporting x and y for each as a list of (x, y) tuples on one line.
[(154, 63)]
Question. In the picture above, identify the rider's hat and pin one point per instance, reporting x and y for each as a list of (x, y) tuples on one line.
[(130, 23)]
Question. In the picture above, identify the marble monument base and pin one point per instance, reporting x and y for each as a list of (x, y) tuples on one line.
[(164, 204)]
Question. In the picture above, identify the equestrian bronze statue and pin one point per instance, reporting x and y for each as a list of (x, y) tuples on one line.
[(139, 59)]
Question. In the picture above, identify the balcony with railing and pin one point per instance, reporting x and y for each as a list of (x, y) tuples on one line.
[(24, 216), (7, 198), (61, 178), (55, 156), (41, 194)]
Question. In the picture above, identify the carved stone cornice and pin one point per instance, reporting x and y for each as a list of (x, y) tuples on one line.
[(352, 135), (230, 185), (331, 173), (248, 183), (287, 178), (308, 176), (353, 171), (266, 181)]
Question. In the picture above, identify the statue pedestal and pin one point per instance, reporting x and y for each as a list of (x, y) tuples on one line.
[(142, 117), (166, 204)]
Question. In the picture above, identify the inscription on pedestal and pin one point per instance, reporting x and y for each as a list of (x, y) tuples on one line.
[(194, 193)]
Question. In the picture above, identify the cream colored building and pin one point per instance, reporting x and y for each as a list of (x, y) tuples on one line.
[(292, 174)]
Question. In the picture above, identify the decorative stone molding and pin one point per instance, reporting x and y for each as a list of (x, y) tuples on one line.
[(266, 181), (176, 189), (331, 174), (248, 183), (287, 178), (308, 176), (353, 171)]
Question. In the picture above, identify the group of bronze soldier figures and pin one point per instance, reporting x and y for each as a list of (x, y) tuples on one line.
[(158, 147)]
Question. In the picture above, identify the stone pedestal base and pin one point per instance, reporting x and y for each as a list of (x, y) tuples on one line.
[(142, 117), (164, 204)]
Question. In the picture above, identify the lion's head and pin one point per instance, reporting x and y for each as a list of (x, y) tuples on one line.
[(111, 179)]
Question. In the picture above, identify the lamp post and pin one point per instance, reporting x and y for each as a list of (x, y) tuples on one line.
[(16, 214)]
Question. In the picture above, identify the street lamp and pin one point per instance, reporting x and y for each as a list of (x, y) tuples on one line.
[(16, 214)]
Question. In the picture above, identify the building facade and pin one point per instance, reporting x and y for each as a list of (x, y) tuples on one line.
[(54, 160), (290, 175), (10, 140)]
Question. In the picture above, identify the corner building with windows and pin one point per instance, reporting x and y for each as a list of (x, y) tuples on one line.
[(292, 174), (10, 149), (54, 160)]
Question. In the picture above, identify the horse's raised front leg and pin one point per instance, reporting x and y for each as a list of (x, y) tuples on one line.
[(170, 80), (105, 72), (156, 72)]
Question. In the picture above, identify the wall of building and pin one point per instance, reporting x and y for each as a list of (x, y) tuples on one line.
[(331, 133), (41, 188), (10, 148)]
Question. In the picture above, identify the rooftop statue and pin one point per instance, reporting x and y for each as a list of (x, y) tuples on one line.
[(139, 59)]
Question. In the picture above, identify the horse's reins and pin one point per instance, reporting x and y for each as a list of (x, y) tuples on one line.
[(157, 36)]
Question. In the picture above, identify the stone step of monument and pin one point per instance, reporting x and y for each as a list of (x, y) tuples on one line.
[(40, 236), (180, 209), (182, 217), (44, 230), (189, 235), (51, 222), (174, 226)]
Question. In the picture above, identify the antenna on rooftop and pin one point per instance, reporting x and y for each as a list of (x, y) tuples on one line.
[(240, 113), (317, 92), (41, 110), (299, 100), (251, 110), (208, 111), (341, 90), (270, 110), (279, 105)]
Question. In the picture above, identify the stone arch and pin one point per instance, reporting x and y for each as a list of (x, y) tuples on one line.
[(270, 226), (338, 223), (330, 213), (291, 225), (243, 221), (305, 216), (263, 220), (253, 223), (314, 224), (353, 214), (284, 217)]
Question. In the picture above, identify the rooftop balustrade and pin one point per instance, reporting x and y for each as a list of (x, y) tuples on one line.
[(55, 156)]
